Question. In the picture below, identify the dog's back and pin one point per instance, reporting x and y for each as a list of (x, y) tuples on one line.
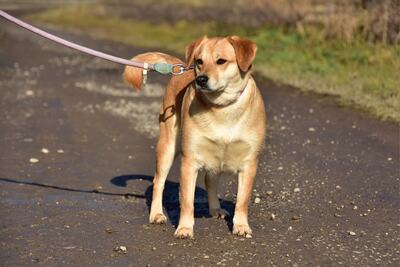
[(177, 85)]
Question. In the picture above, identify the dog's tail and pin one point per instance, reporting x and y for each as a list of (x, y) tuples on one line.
[(134, 76)]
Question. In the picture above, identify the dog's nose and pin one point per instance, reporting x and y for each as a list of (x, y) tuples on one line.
[(202, 80)]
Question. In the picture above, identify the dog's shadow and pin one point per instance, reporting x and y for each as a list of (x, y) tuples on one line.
[(171, 198)]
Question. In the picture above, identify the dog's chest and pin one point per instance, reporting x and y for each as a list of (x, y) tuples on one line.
[(223, 146)]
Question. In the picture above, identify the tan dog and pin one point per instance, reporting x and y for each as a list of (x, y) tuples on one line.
[(215, 117)]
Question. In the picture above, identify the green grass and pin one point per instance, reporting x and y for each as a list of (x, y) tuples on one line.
[(361, 74)]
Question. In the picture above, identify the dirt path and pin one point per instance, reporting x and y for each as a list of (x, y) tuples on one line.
[(333, 174)]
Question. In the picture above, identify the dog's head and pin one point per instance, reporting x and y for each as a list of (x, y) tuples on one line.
[(221, 64)]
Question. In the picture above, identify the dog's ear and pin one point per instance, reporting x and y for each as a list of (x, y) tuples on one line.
[(245, 51), (189, 52)]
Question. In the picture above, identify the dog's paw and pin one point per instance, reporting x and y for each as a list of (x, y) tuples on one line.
[(243, 230), (184, 232), (159, 218), (219, 213)]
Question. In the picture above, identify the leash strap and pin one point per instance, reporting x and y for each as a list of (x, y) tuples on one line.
[(145, 69), (163, 68)]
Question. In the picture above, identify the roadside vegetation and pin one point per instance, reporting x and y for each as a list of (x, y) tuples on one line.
[(359, 67)]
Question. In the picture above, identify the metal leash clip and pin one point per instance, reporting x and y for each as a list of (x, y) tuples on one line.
[(178, 69)]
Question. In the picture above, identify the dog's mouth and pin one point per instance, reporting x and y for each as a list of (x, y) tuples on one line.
[(205, 89), (208, 90)]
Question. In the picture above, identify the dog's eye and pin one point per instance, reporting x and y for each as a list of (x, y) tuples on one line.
[(199, 61), (221, 61)]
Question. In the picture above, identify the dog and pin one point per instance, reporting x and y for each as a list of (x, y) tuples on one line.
[(214, 115)]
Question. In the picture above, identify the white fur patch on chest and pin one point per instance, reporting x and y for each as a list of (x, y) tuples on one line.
[(222, 155)]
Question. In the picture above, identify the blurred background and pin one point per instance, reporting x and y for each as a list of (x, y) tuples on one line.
[(345, 48)]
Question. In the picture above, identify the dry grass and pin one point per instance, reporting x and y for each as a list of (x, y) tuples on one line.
[(373, 20)]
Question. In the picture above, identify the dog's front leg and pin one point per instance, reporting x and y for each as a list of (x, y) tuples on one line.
[(245, 184), (189, 171)]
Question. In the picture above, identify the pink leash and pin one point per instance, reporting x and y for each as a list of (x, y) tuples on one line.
[(163, 68)]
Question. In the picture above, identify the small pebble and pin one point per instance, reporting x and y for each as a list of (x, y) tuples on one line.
[(296, 218), (33, 160), (122, 249), (248, 236), (280, 168), (273, 216), (389, 159), (351, 233), (296, 190), (44, 151), (257, 200), (311, 129), (60, 151), (269, 193)]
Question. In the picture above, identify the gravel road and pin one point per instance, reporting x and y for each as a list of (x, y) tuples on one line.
[(77, 159)]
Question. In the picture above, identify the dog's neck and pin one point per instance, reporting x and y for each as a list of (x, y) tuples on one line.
[(223, 98)]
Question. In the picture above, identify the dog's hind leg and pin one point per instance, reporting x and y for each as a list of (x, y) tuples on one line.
[(166, 149), (211, 181)]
